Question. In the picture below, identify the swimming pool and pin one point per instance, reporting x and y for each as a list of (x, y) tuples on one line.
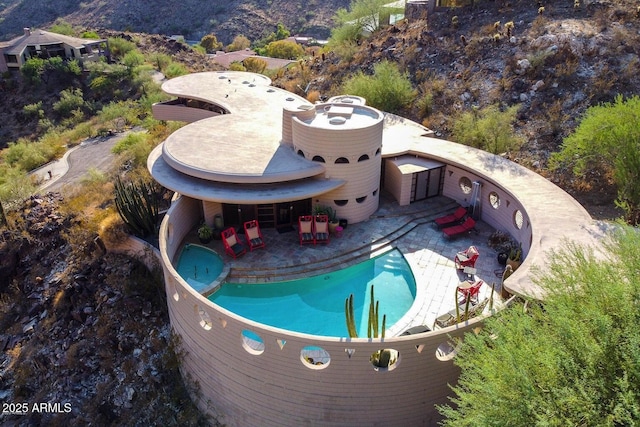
[(315, 305), (199, 266)]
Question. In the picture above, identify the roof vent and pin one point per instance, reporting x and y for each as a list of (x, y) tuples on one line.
[(289, 99), (337, 120)]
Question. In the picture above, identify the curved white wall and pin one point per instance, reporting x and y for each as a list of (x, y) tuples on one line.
[(359, 142), (277, 387)]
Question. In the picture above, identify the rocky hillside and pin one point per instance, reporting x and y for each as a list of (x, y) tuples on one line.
[(85, 331), (553, 61), (191, 18)]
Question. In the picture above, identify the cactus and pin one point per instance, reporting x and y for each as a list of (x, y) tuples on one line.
[(351, 323), (138, 207), (373, 321)]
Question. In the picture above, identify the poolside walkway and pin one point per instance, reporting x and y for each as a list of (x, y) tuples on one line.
[(408, 228)]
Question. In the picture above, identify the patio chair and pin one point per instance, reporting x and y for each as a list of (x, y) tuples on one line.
[(452, 219), (305, 229), (232, 245), (470, 290), (253, 234), (321, 228), (467, 258), (457, 230)]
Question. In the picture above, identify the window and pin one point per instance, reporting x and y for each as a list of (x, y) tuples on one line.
[(494, 200), (465, 185), (300, 153), (361, 199), (341, 160), (363, 158), (318, 159), (518, 219), (340, 202)]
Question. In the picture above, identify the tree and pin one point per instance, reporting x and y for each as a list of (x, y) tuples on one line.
[(608, 139), (573, 359), (32, 70), (388, 89), (365, 15), (210, 43), (489, 129), (284, 49), (255, 65), (239, 43)]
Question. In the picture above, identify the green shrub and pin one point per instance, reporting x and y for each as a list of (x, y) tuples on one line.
[(284, 49), (33, 110), (489, 129), (388, 89), (70, 100), (119, 47), (175, 69)]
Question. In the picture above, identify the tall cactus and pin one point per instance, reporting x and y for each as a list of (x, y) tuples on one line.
[(373, 321), (138, 207)]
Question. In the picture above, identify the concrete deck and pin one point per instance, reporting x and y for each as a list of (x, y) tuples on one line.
[(407, 228)]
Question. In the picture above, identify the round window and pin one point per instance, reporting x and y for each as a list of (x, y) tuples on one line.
[(494, 200), (465, 185), (518, 219)]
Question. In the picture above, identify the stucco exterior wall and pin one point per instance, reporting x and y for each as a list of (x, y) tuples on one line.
[(180, 112), (501, 217), (278, 387), (359, 198)]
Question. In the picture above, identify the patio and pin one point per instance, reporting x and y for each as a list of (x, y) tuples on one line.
[(408, 228)]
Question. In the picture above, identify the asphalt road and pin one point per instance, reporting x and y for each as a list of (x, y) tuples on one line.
[(94, 153)]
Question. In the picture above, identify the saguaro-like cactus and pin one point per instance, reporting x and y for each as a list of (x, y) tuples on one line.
[(138, 207), (373, 321)]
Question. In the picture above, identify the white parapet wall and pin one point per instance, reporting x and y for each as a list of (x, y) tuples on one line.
[(272, 384)]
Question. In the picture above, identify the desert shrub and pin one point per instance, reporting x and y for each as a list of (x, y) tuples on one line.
[(570, 360), (117, 115), (159, 60), (175, 69), (132, 59), (15, 186), (70, 99), (608, 139), (387, 89), (284, 49), (119, 47), (255, 65), (32, 70), (63, 27), (210, 43), (489, 129), (239, 43), (135, 147), (33, 110)]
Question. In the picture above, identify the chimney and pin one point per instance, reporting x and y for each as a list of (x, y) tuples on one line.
[(27, 31)]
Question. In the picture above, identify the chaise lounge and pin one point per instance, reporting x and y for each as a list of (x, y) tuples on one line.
[(451, 219), (457, 230)]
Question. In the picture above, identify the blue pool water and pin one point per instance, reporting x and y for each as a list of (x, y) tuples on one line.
[(199, 266), (315, 305)]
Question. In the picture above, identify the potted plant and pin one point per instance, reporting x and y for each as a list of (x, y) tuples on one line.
[(515, 257), (329, 212), (205, 233)]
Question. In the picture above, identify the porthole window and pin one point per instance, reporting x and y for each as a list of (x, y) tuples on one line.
[(385, 359), (518, 219), (252, 342), (447, 351), (494, 200), (340, 202), (314, 357), (465, 185), (361, 199), (375, 192), (300, 153), (341, 160), (318, 159), (363, 158), (205, 320)]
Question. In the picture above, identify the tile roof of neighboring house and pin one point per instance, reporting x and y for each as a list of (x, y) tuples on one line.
[(227, 58), (42, 38)]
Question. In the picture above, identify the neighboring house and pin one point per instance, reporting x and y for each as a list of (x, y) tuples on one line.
[(227, 58), (44, 44)]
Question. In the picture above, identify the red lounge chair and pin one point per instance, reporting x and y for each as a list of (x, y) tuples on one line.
[(232, 245), (467, 258), (456, 230), (451, 219), (321, 228), (253, 234), (305, 229), (470, 290)]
